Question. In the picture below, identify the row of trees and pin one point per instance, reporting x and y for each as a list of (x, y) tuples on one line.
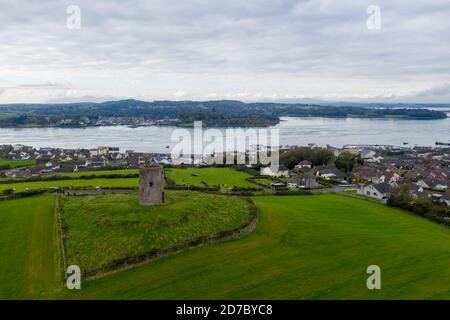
[(320, 156), (317, 156)]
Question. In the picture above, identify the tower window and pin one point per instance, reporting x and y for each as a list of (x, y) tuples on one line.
[(150, 184)]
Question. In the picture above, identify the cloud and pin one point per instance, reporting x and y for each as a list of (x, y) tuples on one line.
[(303, 48), (435, 94), (1, 91), (69, 99), (212, 95), (436, 91), (179, 94), (45, 85)]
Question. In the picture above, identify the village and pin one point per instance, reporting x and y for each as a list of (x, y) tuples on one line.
[(375, 171), (133, 122)]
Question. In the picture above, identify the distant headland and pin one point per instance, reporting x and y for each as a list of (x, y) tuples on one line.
[(223, 113)]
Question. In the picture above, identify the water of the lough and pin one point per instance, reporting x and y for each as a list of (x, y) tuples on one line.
[(298, 131)]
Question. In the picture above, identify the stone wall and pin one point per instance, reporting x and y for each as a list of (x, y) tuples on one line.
[(151, 185)]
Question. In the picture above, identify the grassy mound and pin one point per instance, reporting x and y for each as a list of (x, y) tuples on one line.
[(304, 247), (101, 229)]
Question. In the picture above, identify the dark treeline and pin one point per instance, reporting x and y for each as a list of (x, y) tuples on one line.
[(317, 156), (345, 162), (213, 113)]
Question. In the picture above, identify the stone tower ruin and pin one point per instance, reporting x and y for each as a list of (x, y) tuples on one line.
[(151, 184)]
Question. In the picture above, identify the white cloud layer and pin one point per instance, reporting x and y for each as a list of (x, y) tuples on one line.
[(248, 50)]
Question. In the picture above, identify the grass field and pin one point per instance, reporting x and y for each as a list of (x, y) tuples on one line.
[(304, 247), (111, 183), (81, 174), (99, 173), (28, 248), (223, 177), (101, 229), (16, 163)]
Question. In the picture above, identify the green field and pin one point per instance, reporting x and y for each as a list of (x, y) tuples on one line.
[(29, 266), (101, 229), (16, 163), (98, 173), (82, 174), (304, 247), (105, 183), (223, 177)]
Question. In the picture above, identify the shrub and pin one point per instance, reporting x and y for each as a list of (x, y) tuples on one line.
[(7, 192), (422, 206)]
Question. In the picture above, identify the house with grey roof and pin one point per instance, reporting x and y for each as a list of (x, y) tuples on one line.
[(305, 180), (380, 191)]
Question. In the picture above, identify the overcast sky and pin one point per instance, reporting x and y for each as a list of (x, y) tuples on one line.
[(246, 50)]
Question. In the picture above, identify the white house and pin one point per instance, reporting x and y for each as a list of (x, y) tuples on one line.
[(304, 164), (93, 153), (374, 159), (273, 172), (102, 151), (390, 177), (423, 184), (367, 154), (165, 161), (378, 191)]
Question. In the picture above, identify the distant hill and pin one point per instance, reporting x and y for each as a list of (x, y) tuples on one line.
[(395, 105), (227, 113)]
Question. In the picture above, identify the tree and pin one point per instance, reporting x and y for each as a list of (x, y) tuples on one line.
[(422, 206), (317, 156), (400, 197), (346, 161), (8, 192)]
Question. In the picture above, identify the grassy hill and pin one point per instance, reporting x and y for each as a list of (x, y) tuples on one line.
[(101, 229), (304, 247)]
